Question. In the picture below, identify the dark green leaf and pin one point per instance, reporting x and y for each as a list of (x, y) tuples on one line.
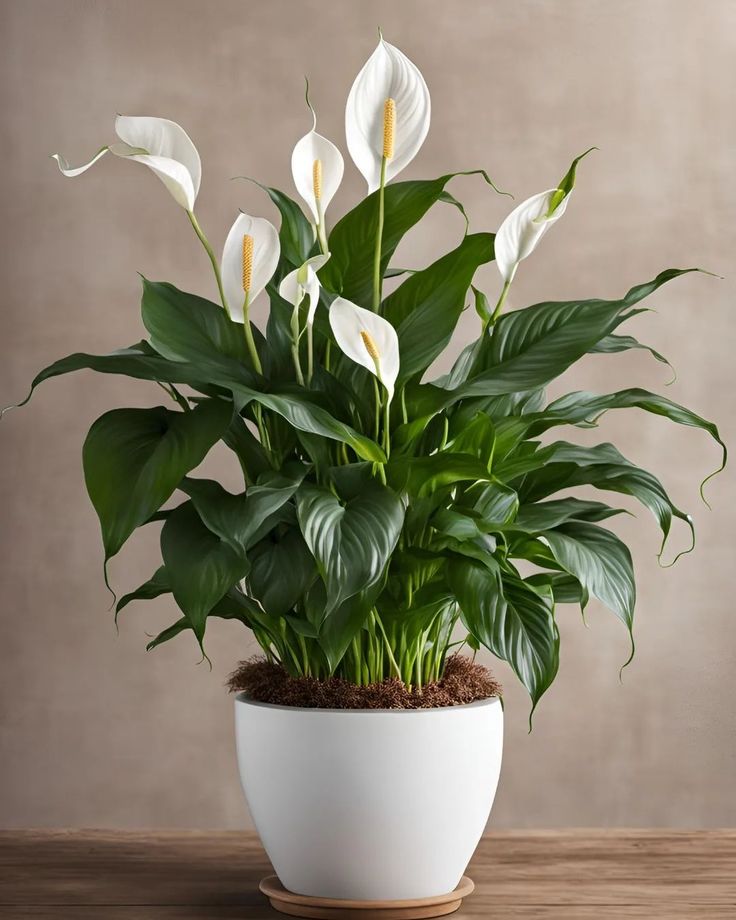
[(426, 307), (201, 567), (351, 542), (511, 619), (156, 585), (281, 572), (601, 563), (135, 458)]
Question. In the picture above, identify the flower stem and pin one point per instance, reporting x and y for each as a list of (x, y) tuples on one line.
[(379, 239), (213, 259), (250, 341), (310, 353), (501, 301)]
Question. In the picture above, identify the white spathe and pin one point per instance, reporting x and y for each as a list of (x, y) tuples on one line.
[(266, 252), (348, 321), (309, 148), (355, 803), (387, 74), (524, 227), (161, 145), (303, 282)]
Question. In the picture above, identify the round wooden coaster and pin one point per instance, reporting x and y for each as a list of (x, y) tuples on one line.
[(301, 905)]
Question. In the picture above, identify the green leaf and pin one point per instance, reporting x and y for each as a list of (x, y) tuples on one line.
[(184, 327), (282, 571), (562, 465), (352, 240), (495, 503), (342, 624), (201, 567), (530, 347), (426, 307), (156, 585), (139, 361), (541, 516), (135, 458), (233, 606), (352, 542), (247, 448), (305, 415), (613, 344), (511, 619), (586, 408), (237, 519), (421, 476), (601, 563)]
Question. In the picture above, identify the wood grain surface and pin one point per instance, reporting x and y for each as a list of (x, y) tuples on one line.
[(545, 875)]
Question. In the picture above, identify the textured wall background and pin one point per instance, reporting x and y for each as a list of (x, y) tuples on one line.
[(95, 731)]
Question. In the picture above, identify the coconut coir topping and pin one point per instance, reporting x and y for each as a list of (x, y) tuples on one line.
[(464, 681)]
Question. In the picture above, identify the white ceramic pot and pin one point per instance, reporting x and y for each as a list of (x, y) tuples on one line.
[(369, 804)]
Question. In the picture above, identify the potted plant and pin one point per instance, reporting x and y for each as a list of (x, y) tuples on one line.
[(386, 516)]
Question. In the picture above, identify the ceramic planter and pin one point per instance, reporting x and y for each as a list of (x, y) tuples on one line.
[(369, 805)]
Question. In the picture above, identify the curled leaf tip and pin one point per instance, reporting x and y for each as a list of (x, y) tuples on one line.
[(309, 104)]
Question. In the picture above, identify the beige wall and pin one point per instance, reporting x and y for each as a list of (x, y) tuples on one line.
[(95, 731)]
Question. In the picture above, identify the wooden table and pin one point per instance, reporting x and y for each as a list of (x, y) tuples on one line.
[(545, 875)]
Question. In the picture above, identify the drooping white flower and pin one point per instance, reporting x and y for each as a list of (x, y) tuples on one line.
[(368, 339), (161, 145), (303, 282), (387, 75), (249, 260), (317, 167), (520, 233)]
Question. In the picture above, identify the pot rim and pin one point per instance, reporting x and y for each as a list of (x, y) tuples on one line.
[(477, 704)]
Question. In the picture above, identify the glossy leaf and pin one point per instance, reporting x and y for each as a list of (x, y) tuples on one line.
[(601, 563), (511, 619), (135, 458), (351, 242), (351, 542), (426, 307), (201, 567)]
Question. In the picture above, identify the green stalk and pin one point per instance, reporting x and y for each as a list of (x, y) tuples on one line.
[(295, 345), (379, 239), (250, 341), (213, 259), (501, 301)]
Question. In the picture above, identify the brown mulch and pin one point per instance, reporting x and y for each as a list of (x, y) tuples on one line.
[(464, 681)]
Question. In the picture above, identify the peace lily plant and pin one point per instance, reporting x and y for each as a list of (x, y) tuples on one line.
[(386, 514)]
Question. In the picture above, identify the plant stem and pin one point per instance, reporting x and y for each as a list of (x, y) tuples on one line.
[(250, 341), (310, 354), (501, 300), (386, 425), (379, 239), (377, 416), (213, 259)]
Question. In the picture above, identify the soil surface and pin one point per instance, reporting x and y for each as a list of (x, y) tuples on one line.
[(464, 681)]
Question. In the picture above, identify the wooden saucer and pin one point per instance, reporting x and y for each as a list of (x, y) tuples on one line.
[(301, 905)]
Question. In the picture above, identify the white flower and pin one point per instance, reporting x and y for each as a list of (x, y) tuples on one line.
[(162, 145), (525, 226), (303, 282), (522, 230), (387, 75), (367, 339), (249, 260), (317, 167)]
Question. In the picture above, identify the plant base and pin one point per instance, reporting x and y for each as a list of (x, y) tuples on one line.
[(300, 905)]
